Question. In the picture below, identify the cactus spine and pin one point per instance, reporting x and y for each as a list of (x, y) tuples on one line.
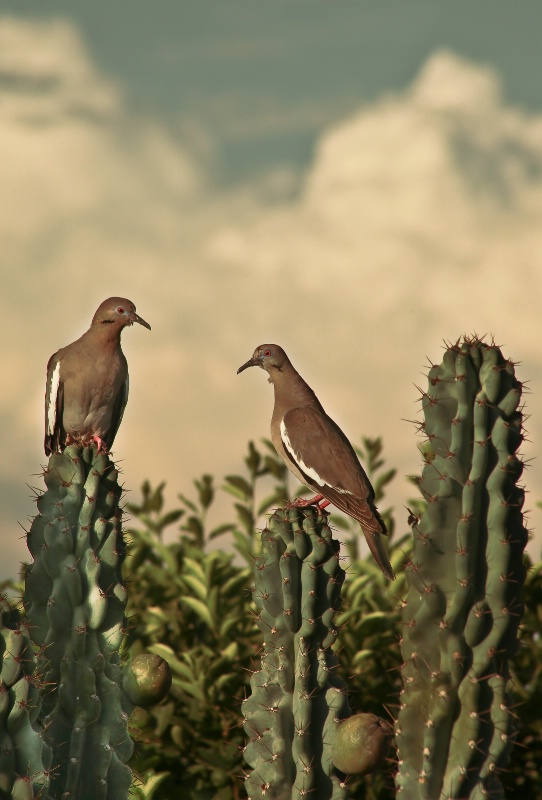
[(75, 600), (463, 607), (297, 702)]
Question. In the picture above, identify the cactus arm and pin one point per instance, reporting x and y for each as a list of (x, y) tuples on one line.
[(297, 701), (75, 599), (463, 607)]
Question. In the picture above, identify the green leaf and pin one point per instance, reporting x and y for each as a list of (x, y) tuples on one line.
[(227, 624), (234, 584), (361, 656), (344, 616), (145, 786), (375, 622), (199, 588), (193, 525), (200, 609), (158, 613), (275, 467), (163, 551), (156, 501), (222, 681), (212, 601), (354, 588), (238, 487), (231, 652), (192, 506), (253, 459), (206, 490), (192, 689), (176, 666), (195, 568), (221, 529), (383, 481), (245, 517), (171, 517)]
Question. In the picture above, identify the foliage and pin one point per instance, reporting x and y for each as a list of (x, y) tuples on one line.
[(523, 777), (194, 608)]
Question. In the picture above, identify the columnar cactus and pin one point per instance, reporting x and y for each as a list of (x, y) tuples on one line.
[(463, 607), (24, 757), (297, 701), (75, 600)]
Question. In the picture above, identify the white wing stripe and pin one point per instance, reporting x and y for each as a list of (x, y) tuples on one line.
[(126, 390), (52, 399), (310, 471)]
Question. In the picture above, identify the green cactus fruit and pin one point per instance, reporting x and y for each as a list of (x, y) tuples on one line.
[(463, 607), (75, 600), (297, 701), (361, 744), (146, 680), (24, 757)]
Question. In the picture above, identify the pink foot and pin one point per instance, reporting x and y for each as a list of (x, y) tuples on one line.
[(301, 502), (102, 447)]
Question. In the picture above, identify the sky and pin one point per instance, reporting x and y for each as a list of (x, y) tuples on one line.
[(357, 182)]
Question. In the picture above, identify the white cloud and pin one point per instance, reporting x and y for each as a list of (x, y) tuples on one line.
[(420, 219), (73, 157)]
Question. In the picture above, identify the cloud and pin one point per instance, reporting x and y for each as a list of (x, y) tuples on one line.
[(70, 148), (418, 220), (423, 204)]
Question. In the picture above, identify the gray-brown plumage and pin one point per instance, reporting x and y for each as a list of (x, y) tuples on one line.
[(315, 449), (87, 382)]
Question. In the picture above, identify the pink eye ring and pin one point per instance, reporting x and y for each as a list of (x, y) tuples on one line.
[(267, 353)]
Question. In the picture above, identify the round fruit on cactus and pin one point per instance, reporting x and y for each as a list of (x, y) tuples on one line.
[(147, 680), (361, 744)]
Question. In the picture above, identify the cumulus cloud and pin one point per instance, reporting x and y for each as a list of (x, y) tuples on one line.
[(419, 220)]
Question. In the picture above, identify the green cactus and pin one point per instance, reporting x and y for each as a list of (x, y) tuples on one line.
[(75, 599), (24, 757), (297, 701), (463, 607)]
